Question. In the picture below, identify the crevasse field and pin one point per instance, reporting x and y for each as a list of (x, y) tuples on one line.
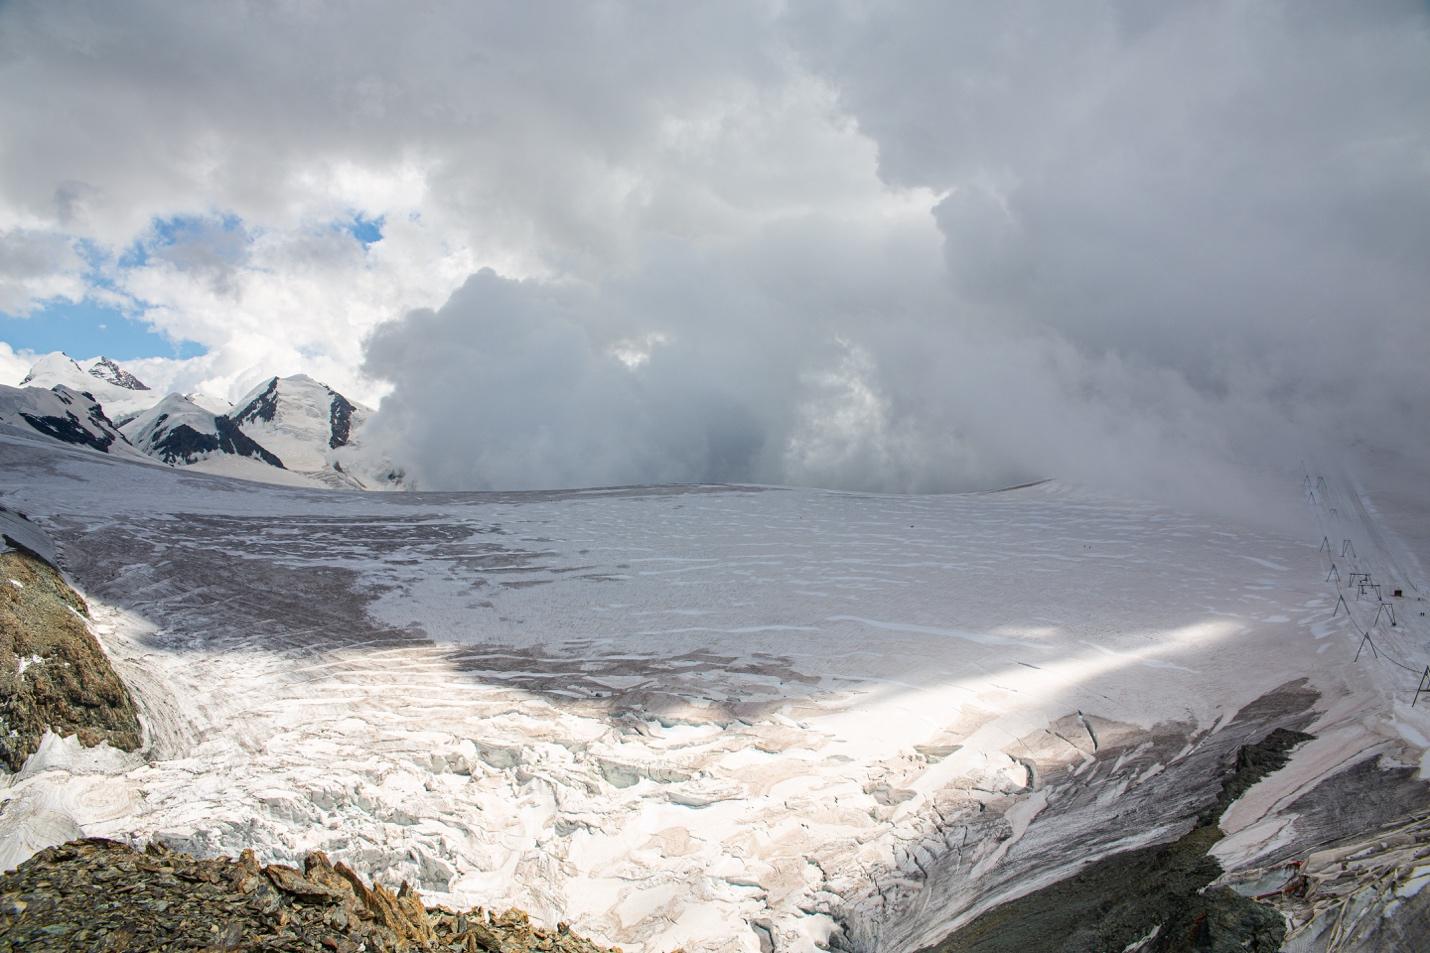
[(717, 718)]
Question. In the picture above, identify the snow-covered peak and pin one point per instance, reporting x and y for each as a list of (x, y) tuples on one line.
[(299, 418), (110, 372), (66, 415), (172, 410), (292, 423), (179, 432), (118, 399), (57, 367)]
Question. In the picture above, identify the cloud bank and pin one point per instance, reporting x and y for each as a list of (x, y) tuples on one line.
[(899, 246)]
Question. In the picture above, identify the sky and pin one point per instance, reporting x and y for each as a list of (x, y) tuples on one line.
[(895, 246)]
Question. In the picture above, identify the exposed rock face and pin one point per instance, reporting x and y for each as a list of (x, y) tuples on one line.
[(340, 421), (53, 674), (260, 405), (106, 370), (102, 895)]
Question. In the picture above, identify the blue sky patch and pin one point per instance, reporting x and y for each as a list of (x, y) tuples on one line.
[(89, 329), (365, 230)]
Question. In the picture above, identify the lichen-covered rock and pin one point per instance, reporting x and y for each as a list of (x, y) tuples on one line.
[(103, 895), (53, 674)]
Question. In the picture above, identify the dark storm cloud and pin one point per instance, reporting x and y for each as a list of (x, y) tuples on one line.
[(1237, 191)]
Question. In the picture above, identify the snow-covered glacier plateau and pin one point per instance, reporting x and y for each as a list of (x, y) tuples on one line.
[(724, 717)]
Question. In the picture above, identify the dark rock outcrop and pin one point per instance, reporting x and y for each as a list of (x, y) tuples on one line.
[(91, 429), (107, 370), (340, 421), (261, 407)]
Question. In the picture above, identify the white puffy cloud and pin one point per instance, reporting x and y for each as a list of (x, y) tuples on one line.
[(36, 266), (14, 365)]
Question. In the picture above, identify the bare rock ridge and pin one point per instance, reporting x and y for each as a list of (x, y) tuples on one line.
[(53, 674), (102, 895), (106, 370)]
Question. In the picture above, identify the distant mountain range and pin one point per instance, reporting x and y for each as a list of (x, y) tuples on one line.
[(289, 430)]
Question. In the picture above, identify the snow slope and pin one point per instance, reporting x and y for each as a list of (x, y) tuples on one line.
[(723, 718), (213, 404), (64, 415)]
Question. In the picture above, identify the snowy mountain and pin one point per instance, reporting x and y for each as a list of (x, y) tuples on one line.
[(56, 364), (314, 429), (299, 417), (120, 392), (110, 372), (179, 432), (64, 414), (733, 720), (293, 431)]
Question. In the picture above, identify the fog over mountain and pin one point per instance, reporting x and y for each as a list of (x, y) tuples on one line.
[(911, 246)]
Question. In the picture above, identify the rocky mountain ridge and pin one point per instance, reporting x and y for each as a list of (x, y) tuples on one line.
[(292, 430)]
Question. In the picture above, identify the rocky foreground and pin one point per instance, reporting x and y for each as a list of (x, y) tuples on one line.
[(105, 896)]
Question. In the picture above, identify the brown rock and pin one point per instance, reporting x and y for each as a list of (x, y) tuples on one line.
[(53, 673), (102, 895)]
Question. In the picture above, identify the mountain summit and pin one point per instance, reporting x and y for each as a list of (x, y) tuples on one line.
[(120, 391), (110, 372)]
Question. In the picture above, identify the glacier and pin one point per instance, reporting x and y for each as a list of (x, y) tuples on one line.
[(717, 717)]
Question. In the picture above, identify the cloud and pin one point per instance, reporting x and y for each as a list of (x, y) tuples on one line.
[(903, 246), (38, 266), (1234, 192), (14, 365)]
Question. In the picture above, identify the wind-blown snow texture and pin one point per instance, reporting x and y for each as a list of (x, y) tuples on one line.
[(710, 717)]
